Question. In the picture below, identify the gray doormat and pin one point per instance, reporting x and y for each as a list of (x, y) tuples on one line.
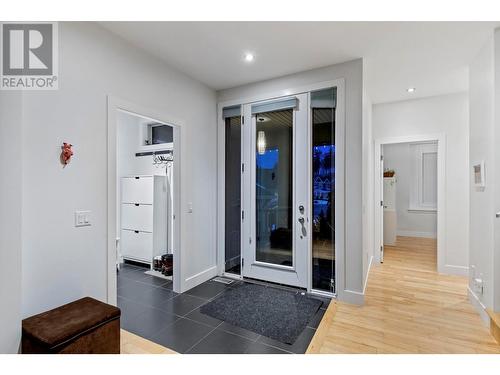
[(279, 314)]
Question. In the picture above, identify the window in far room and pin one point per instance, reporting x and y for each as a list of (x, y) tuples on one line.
[(423, 187)]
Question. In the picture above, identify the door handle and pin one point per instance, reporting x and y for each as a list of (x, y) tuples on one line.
[(497, 215), (303, 229)]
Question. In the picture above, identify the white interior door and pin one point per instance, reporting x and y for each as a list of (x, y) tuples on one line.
[(275, 191)]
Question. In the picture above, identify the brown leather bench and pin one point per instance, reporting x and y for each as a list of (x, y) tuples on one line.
[(85, 326)]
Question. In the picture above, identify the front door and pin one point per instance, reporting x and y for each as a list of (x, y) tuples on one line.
[(275, 191)]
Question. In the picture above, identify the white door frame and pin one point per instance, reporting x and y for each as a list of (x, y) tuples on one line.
[(441, 192), (339, 171), (114, 105)]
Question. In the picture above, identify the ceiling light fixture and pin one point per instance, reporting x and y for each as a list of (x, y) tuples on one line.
[(249, 57), (261, 142), (411, 89)]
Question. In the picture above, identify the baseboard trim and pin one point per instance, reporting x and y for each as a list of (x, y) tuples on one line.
[(409, 233), (357, 298), (367, 274), (199, 278), (450, 269), (353, 297), (479, 306)]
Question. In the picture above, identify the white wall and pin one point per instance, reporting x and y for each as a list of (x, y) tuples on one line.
[(481, 147), (368, 205), (496, 140), (11, 163), (446, 114), (409, 223), (351, 72), (61, 262)]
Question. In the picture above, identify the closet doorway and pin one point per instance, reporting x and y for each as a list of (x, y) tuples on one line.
[(143, 205)]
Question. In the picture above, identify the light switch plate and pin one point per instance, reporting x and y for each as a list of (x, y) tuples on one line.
[(82, 218)]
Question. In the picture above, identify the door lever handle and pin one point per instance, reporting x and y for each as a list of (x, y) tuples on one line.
[(497, 215), (301, 220)]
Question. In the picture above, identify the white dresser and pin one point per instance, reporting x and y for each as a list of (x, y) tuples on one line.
[(143, 217)]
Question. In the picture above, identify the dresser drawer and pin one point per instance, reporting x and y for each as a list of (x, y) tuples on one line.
[(137, 190), (137, 217), (137, 245)]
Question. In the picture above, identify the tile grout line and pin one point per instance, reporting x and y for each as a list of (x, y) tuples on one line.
[(275, 347), (146, 283), (151, 306), (204, 324), (235, 334), (200, 340), (152, 338)]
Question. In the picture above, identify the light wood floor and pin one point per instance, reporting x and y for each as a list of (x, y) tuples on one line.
[(133, 344), (409, 308)]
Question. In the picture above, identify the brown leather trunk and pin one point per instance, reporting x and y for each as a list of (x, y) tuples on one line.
[(85, 326)]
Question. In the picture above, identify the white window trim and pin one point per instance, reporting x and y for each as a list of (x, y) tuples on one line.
[(417, 152)]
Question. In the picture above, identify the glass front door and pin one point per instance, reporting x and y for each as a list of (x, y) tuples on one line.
[(274, 188), (286, 232), (278, 207)]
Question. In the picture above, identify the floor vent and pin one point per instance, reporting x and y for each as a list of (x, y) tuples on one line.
[(223, 280)]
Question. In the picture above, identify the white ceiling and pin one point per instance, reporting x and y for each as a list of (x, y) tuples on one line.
[(431, 56)]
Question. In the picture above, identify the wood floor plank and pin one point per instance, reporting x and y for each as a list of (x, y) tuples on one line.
[(409, 308), (133, 344)]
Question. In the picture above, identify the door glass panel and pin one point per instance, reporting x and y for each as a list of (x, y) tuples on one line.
[(233, 196), (323, 189), (274, 192)]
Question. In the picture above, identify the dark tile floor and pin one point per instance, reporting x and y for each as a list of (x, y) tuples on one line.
[(152, 310)]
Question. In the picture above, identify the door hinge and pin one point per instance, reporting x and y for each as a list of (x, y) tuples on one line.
[(242, 215), (242, 167), (332, 283), (381, 203), (242, 120), (250, 240), (242, 262), (381, 157)]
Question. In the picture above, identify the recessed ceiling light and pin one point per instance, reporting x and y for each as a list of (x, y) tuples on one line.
[(249, 57), (411, 89)]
